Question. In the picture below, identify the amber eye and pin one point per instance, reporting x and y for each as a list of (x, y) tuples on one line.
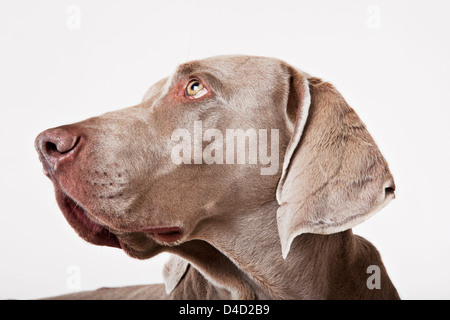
[(195, 89)]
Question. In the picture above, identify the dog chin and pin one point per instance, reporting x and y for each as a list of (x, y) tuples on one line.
[(139, 245)]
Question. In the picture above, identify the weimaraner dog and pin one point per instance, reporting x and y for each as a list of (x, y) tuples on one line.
[(161, 177)]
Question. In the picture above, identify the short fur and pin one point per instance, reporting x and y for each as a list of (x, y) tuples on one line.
[(245, 235)]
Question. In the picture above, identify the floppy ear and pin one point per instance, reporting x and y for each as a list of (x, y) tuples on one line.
[(334, 177), (174, 270)]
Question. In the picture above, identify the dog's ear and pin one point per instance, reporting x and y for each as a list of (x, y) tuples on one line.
[(334, 177), (174, 270)]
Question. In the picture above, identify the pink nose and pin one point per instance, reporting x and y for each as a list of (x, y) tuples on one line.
[(54, 145)]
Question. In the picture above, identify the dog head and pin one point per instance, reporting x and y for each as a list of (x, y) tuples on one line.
[(218, 136)]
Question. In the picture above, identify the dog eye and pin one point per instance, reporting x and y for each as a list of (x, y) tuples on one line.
[(195, 89)]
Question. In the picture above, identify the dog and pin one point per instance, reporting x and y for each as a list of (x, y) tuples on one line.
[(156, 177)]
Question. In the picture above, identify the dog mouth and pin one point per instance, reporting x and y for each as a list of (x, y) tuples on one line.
[(96, 234), (78, 218), (165, 234), (76, 215)]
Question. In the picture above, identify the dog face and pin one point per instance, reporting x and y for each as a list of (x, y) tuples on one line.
[(117, 178), (219, 137)]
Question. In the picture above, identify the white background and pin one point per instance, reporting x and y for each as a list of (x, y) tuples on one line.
[(390, 60)]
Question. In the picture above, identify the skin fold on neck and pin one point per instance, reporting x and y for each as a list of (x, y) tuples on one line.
[(249, 264)]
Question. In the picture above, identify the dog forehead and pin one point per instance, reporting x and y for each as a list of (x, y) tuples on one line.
[(231, 66), (232, 73)]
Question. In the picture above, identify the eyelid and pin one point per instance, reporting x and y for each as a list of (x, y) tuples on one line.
[(200, 94)]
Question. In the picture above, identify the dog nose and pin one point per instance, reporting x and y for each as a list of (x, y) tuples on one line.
[(57, 144)]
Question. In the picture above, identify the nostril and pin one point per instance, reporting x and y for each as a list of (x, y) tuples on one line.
[(60, 146), (56, 144), (50, 148)]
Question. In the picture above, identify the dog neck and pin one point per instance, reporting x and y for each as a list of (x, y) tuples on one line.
[(248, 262)]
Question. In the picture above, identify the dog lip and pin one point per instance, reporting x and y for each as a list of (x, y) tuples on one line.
[(166, 234), (162, 229), (89, 230)]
